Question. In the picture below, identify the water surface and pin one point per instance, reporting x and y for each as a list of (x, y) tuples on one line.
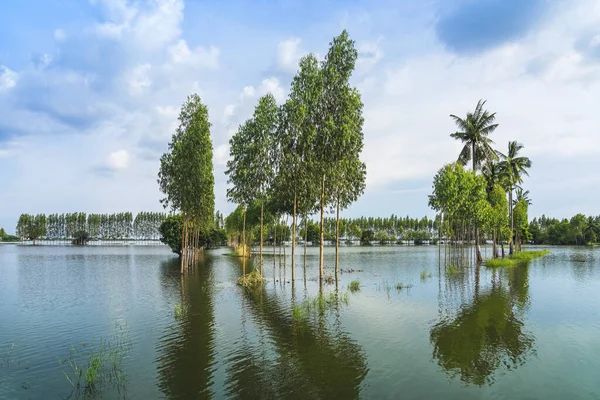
[(523, 333)]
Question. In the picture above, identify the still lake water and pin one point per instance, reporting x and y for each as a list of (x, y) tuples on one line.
[(531, 332)]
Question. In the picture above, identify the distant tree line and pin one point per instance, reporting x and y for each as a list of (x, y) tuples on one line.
[(579, 230), (84, 227)]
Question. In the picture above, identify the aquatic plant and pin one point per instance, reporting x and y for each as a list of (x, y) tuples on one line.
[(515, 259), (529, 255), (251, 280), (319, 303), (425, 275), (452, 270), (354, 286), (179, 311), (90, 366)]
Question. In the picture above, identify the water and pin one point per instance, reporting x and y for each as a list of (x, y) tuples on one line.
[(524, 333)]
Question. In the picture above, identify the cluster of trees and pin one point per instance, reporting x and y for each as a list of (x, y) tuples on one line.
[(5, 237), (172, 228), (481, 201), (579, 230), (302, 156), (71, 226), (186, 177)]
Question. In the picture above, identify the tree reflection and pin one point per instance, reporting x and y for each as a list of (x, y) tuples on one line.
[(487, 334), (187, 349), (285, 359)]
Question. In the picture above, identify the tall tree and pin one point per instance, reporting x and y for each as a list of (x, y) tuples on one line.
[(474, 130), (186, 172), (515, 168), (339, 130)]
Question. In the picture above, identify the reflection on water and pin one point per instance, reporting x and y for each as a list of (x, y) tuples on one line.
[(526, 332), (304, 360), (487, 334), (186, 353)]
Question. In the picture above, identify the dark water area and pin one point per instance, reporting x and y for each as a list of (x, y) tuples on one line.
[(529, 332)]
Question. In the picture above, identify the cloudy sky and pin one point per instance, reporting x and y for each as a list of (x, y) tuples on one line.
[(90, 91)]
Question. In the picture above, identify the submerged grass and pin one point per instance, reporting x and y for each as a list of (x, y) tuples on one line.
[(515, 259), (400, 286), (452, 270), (180, 311), (425, 275), (92, 365), (354, 286), (251, 280), (319, 303)]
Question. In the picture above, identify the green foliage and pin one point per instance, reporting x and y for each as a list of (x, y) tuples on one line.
[(81, 238), (474, 132), (579, 230), (354, 286), (366, 237), (170, 231), (425, 275), (516, 259), (319, 304), (186, 170), (452, 270)]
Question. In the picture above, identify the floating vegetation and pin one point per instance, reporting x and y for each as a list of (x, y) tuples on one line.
[(90, 366), (354, 286), (515, 259), (328, 280), (180, 311), (251, 280), (319, 303), (425, 275)]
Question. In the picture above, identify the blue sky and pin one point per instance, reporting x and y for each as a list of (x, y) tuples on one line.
[(90, 91)]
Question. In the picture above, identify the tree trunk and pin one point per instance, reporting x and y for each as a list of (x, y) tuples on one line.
[(305, 240), (274, 244), (261, 235), (183, 245), (293, 237), (322, 227), (479, 259), (337, 236), (512, 228), (244, 235)]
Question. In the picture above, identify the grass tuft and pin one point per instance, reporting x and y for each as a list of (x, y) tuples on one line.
[(425, 275), (452, 270), (251, 280), (400, 286), (354, 286), (319, 303), (515, 259), (180, 311)]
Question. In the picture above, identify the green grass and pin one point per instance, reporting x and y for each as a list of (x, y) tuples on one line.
[(92, 365), (354, 286), (425, 275), (452, 270), (252, 280), (319, 303), (180, 311), (515, 259)]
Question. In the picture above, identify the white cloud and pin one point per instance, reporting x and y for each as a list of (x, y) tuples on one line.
[(60, 35), (289, 54), (221, 154), (8, 78), (118, 160), (369, 54), (139, 79), (200, 57)]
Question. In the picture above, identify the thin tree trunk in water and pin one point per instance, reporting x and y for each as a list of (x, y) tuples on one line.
[(337, 236), (512, 228), (494, 247), (293, 239), (479, 260), (261, 235), (321, 249), (305, 240), (182, 245), (244, 235), (274, 244)]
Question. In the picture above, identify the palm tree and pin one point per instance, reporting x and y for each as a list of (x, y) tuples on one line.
[(522, 196), (514, 167), (474, 132), (591, 230)]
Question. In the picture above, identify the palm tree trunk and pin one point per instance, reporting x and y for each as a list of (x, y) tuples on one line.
[(512, 227)]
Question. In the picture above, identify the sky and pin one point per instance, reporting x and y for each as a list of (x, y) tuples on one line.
[(90, 92)]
